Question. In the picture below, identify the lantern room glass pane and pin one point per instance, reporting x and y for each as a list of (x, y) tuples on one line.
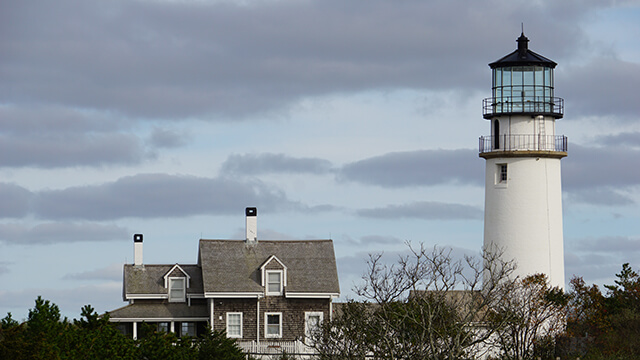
[(539, 77), (517, 77), (528, 76), (506, 76)]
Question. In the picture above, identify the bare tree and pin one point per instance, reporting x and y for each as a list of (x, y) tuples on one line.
[(426, 305), (533, 314)]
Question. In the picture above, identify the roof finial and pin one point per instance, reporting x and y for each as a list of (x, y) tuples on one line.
[(522, 44), (522, 27)]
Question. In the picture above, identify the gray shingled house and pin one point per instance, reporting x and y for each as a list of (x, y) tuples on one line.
[(264, 293)]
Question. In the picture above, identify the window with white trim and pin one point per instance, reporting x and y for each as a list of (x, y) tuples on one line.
[(273, 325), (234, 325), (312, 321), (177, 289), (274, 282)]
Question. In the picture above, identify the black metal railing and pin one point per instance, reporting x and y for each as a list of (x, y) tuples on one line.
[(523, 105), (523, 143)]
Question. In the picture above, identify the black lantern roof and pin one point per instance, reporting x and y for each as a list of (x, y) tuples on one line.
[(523, 57)]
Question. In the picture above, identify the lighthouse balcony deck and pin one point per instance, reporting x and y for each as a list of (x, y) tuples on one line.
[(523, 145), (523, 105)]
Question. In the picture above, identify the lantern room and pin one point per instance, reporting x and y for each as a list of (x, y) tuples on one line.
[(522, 83)]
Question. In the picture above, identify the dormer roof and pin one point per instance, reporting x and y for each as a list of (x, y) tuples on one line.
[(273, 263), (176, 271)]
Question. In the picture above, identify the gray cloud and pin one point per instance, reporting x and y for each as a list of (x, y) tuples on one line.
[(155, 195), (416, 168), (631, 139), (600, 166), (48, 151), (595, 175), (139, 196), (375, 240), (167, 59), (255, 164), (112, 272), (15, 201), (611, 244), (593, 268), (431, 210), (51, 136), (598, 259), (53, 233), (600, 196), (4, 267), (604, 86), (49, 119), (165, 138)]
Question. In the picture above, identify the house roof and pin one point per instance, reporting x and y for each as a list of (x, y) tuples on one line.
[(149, 279), (159, 310), (232, 266)]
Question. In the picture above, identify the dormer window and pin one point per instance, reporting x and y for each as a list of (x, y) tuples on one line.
[(177, 289), (274, 276), (274, 282), (176, 281)]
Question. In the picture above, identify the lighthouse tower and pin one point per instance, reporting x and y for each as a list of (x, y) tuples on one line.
[(523, 195)]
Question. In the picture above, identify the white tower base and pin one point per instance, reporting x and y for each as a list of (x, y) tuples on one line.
[(523, 214)]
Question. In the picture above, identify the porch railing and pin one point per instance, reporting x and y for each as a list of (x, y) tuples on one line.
[(523, 143), (255, 349)]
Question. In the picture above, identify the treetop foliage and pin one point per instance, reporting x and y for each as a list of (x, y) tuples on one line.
[(45, 335), (425, 306)]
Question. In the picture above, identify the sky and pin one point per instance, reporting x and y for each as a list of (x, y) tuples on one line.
[(353, 120)]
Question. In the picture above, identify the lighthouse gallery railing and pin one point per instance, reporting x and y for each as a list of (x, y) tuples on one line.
[(527, 142), (523, 105)]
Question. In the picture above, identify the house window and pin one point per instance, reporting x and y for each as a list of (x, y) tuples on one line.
[(163, 327), (502, 174), (188, 329), (312, 321), (273, 325), (234, 325), (176, 289), (274, 282)]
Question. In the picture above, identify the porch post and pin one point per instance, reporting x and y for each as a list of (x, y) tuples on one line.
[(258, 322), (211, 313)]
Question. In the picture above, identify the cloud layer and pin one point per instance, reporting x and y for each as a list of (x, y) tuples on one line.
[(350, 118)]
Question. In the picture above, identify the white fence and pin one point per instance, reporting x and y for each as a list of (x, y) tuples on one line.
[(267, 349)]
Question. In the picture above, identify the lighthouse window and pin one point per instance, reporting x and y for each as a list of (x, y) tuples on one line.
[(502, 173)]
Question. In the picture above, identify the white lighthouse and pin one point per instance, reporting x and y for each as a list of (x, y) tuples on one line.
[(523, 195)]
